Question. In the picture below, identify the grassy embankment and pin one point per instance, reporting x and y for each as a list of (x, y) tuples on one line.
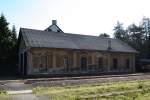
[(98, 91), (4, 95)]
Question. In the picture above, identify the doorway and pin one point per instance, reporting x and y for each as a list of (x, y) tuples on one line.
[(115, 64), (83, 63)]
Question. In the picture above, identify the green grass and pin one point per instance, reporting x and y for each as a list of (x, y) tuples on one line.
[(78, 92), (144, 95), (4, 95), (3, 92)]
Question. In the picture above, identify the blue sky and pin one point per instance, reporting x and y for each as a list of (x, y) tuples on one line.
[(90, 17)]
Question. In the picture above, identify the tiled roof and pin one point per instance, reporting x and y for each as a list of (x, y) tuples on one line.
[(39, 38)]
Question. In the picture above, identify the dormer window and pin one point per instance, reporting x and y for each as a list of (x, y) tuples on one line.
[(49, 30), (58, 31), (54, 27)]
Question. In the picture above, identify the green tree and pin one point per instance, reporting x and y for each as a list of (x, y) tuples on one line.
[(4, 37), (119, 32), (145, 24), (14, 36), (136, 36), (104, 35), (8, 41)]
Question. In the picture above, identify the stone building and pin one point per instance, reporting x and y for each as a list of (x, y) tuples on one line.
[(51, 51)]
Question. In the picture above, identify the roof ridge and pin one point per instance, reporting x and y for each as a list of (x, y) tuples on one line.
[(69, 33)]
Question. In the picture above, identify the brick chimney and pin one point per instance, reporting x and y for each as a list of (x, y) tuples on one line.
[(54, 22)]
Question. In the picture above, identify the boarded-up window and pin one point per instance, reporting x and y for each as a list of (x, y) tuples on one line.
[(43, 65), (36, 62)]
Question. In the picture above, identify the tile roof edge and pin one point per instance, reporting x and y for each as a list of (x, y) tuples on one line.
[(69, 33)]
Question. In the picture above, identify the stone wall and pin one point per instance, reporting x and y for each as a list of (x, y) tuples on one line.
[(60, 61)]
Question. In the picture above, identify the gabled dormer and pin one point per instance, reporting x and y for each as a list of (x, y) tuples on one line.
[(54, 27)]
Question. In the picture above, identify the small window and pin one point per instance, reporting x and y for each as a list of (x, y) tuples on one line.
[(115, 63), (127, 63)]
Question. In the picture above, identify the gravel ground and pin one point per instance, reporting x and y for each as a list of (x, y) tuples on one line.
[(24, 97), (15, 86), (29, 97), (22, 84), (90, 80), (29, 84)]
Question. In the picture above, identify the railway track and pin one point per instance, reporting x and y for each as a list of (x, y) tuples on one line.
[(25, 84), (88, 77), (72, 78)]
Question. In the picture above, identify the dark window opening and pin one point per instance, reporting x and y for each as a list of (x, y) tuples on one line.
[(83, 63), (100, 62), (21, 64), (21, 60), (58, 31), (25, 63), (115, 63), (66, 63), (127, 63), (65, 60), (49, 30)]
